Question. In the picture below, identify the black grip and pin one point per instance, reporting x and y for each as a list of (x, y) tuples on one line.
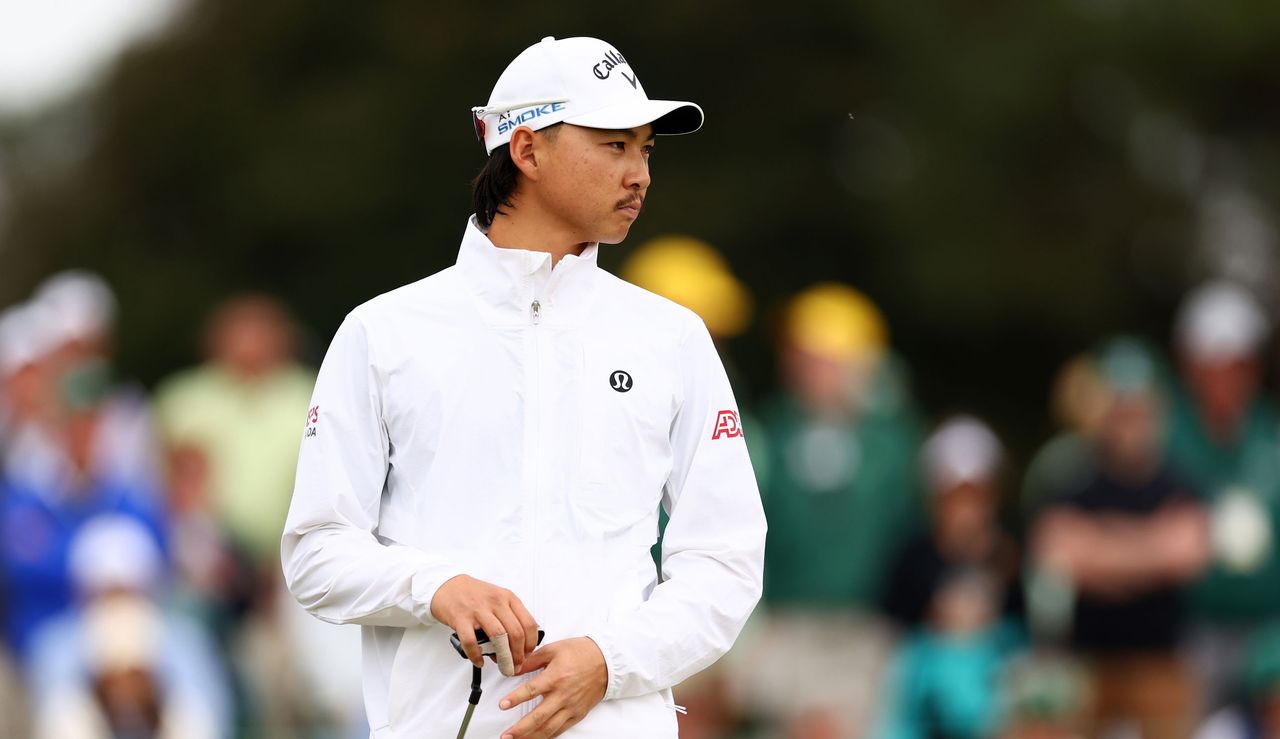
[(475, 686)]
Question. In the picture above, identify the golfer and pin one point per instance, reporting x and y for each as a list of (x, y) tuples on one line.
[(488, 448)]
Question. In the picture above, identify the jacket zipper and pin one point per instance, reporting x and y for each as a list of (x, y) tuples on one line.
[(535, 315)]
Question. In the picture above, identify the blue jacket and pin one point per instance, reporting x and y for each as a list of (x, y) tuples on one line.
[(36, 531)]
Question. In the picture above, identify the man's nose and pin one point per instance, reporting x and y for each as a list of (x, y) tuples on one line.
[(638, 174)]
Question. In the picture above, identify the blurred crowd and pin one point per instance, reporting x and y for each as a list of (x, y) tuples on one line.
[(140, 587), (1125, 584)]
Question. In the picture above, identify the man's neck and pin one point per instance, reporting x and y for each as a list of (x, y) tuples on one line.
[(526, 230)]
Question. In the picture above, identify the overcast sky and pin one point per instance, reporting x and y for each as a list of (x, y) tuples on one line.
[(50, 48)]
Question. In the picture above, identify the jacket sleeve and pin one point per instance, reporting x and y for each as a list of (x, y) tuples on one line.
[(713, 547), (334, 563)]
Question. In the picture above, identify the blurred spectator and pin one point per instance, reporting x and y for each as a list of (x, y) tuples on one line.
[(1066, 461), (839, 492), (124, 698), (1256, 713), (83, 307), (233, 426), (118, 664), (73, 315), (29, 407), (843, 439), (1224, 439), (946, 680), (214, 580), (41, 514), (26, 398), (1127, 543), (961, 462), (243, 412), (692, 273)]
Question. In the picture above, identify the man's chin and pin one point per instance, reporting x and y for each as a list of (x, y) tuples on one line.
[(615, 237)]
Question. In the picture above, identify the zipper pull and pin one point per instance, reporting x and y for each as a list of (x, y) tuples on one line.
[(535, 311)]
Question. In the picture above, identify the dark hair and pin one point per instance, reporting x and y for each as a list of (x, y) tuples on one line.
[(493, 188)]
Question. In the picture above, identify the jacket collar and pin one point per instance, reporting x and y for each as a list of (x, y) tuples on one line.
[(506, 282)]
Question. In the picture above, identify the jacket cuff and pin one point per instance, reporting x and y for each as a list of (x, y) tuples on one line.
[(426, 581), (614, 663)]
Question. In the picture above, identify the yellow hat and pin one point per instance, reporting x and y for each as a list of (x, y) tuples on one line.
[(836, 321), (692, 273)]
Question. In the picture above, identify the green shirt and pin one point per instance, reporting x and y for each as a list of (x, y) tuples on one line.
[(250, 432), (839, 498), (1251, 463)]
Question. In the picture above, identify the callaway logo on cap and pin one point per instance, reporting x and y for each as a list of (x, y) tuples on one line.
[(583, 81)]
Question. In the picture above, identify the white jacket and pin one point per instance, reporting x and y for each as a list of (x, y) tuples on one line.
[(469, 423)]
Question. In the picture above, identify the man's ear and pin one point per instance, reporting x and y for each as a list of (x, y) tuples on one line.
[(523, 152)]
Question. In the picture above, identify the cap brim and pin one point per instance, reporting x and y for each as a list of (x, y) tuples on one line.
[(668, 117)]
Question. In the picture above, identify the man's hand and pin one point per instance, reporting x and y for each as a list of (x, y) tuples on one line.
[(572, 684), (465, 604)]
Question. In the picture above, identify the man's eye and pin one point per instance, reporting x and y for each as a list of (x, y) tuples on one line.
[(648, 151), (619, 145)]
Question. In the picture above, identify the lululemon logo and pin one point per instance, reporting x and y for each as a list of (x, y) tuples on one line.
[(620, 381)]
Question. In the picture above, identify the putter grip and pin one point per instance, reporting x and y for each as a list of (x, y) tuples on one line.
[(483, 640)]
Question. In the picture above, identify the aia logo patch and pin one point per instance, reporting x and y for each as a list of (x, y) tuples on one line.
[(313, 418), (727, 425)]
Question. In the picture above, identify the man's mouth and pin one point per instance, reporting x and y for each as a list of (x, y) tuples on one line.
[(631, 206)]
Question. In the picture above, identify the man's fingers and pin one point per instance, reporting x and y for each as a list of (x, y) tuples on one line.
[(493, 628), (502, 654), (467, 638), (537, 660), (529, 725), (529, 625), (466, 604), (515, 634), (571, 685), (529, 690), (555, 725)]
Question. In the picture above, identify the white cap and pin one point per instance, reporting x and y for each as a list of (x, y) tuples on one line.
[(114, 552), (26, 336), (1220, 320), (962, 450), (82, 304), (583, 81)]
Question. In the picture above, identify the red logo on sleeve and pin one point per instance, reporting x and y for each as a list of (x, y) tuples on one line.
[(727, 425), (313, 418)]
